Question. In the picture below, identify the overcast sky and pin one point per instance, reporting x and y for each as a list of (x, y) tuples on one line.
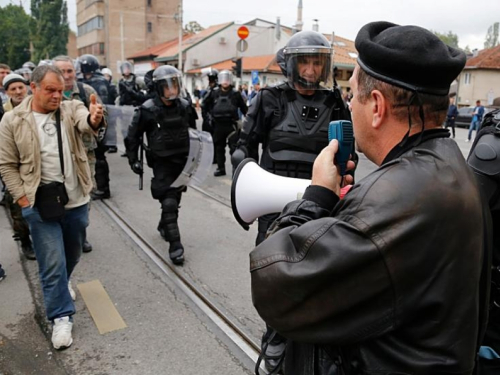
[(469, 19)]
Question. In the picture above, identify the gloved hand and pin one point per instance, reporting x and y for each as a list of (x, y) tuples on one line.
[(238, 156), (137, 168)]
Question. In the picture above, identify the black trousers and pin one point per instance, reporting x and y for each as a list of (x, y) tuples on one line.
[(224, 134), (101, 167), (450, 122), (165, 172)]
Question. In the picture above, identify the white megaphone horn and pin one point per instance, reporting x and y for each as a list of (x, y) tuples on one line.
[(256, 192)]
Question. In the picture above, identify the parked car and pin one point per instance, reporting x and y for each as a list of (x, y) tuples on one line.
[(464, 117)]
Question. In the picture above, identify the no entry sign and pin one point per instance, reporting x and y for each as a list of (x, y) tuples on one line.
[(243, 32)]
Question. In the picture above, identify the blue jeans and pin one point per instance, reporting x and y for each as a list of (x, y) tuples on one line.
[(58, 247), (474, 125)]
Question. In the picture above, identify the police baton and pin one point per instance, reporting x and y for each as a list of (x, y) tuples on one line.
[(141, 161)]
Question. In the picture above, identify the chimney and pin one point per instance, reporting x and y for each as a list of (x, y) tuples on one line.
[(278, 29), (315, 25), (475, 52), (299, 24)]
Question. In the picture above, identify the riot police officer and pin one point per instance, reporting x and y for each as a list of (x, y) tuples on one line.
[(291, 122), (484, 160), (130, 93), (165, 120), (92, 76), (212, 76), (222, 105)]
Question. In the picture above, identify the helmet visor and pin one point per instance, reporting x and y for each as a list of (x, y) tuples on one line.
[(169, 87), (126, 68), (225, 77), (309, 68)]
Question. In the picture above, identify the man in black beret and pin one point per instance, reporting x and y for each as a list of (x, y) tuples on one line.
[(386, 280)]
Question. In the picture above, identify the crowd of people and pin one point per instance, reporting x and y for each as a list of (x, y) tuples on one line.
[(395, 277)]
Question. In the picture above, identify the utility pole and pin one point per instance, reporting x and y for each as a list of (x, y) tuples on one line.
[(179, 19), (122, 58)]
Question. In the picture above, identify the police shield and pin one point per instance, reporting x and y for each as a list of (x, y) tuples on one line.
[(119, 119), (199, 161)]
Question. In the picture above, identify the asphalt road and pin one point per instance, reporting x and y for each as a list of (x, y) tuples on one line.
[(166, 333)]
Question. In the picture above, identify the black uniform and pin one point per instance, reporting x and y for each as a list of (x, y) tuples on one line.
[(166, 129), (130, 93), (223, 108), (293, 129), (101, 85), (484, 160)]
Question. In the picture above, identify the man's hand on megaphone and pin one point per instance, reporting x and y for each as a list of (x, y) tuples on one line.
[(326, 173), (96, 111)]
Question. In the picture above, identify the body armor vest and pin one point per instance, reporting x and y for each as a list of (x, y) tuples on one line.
[(224, 109), (295, 142), (168, 129), (100, 85)]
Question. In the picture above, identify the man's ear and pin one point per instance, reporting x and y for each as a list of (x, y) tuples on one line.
[(32, 86), (379, 108)]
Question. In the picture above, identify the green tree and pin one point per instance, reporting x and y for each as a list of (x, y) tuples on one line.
[(14, 36), (450, 38), (491, 39), (50, 29), (193, 27)]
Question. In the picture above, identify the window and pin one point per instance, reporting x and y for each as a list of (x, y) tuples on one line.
[(150, 27), (90, 2), (92, 24), (149, 2), (467, 78), (353, 55), (93, 49)]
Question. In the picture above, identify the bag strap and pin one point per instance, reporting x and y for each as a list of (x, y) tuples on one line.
[(59, 141)]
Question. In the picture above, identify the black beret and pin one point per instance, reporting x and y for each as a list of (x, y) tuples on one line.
[(409, 57)]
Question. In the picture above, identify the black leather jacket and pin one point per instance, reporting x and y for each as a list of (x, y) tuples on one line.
[(386, 281)]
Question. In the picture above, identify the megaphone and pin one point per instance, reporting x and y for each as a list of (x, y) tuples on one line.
[(256, 192)]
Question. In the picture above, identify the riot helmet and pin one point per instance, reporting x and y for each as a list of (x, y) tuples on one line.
[(212, 76), (107, 73), (88, 64), (26, 73), (225, 77), (78, 69), (29, 65), (126, 68), (44, 62), (308, 59), (167, 81)]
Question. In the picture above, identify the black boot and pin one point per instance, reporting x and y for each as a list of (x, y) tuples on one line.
[(176, 252), (219, 172), (87, 247), (274, 346), (27, 249), (100, 194)]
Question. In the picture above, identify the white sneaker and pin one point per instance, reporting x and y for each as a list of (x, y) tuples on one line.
[(467, 140), (71, 291), (61, 333)]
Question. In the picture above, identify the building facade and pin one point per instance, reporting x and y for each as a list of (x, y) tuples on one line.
[(480, 79), (114, 29)]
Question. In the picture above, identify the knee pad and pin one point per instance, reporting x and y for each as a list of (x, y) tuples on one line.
[(170, 205)]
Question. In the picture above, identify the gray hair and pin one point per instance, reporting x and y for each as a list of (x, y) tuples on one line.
[(62, 58), (41, 71)]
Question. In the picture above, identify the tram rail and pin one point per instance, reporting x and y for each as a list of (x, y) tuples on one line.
[(247, 344)]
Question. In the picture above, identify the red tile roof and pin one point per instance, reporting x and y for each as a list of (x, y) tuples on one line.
[(265, 63), (486, 59)]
